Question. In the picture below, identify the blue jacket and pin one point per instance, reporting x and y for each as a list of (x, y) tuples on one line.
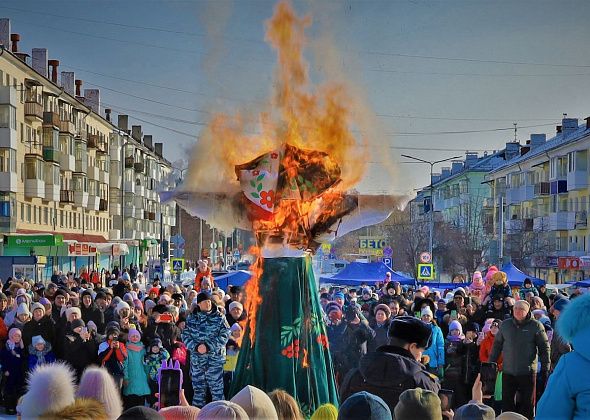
[(436, 350), (134, 372), (208, 328), (567, 395)]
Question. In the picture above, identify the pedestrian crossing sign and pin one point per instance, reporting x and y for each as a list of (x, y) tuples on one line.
[(425, 271), (177, 265)]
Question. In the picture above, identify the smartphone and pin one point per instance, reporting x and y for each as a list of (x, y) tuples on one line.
[(488, 372), (481, 335), (446, 399), (165, 318), (454, 313), (417, 315), (169, 388)]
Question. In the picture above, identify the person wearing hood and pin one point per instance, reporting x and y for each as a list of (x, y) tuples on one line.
[(477, 288), (41, 325), (80, 348), (527, 286), (13, 367), (235, 313), (521, 339), (112, 353), (39, 352), (436, 350), (256, 403), (382, 371), (23, 315), (205, 336), (567, 395), (497, 309), (500, 285), (90, 311)]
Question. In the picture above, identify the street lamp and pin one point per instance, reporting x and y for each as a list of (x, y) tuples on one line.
[(431, 163)]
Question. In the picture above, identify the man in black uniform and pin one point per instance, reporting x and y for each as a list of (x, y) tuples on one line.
[(395, 367)]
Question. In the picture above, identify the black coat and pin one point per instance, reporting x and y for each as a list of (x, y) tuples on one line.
[(78, 353), (387, 373), (167, 332), (45, 327), (380, 338), (94, 314)]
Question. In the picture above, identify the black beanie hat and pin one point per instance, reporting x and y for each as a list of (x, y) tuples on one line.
[(100, 295), (203, 296), (77, 323), (410, 330)]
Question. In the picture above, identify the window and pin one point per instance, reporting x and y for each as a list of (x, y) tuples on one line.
[(28, 213), (35, 214), (7, 116), (45, 215), (34, 169), (7, 160)]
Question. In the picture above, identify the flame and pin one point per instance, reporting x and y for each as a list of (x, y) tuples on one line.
[(253, 298)]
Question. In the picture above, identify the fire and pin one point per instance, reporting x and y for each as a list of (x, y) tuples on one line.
[(253, 298)]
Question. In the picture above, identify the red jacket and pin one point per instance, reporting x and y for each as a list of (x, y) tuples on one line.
[(199, 278), (485, 349)]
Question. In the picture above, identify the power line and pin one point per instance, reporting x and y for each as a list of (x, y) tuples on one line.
[(430, 117), (439, 133), (435, 73), (117, 108)]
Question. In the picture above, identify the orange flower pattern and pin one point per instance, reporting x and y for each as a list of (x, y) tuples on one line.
[(267, 198)]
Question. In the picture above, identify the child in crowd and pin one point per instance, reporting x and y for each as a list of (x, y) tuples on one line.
[(135, 382), (12, 360), (112, 353), (155, 355), (39, 352), (231, 358)]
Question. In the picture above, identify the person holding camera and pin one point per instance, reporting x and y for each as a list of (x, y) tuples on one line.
[(80, 348), (113, 354)]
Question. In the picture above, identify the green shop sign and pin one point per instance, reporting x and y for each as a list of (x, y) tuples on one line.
[(27, 241)]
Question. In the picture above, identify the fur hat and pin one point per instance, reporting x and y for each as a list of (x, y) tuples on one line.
[(97, 383), (37, 305), (223, 410), (81, 409), (256, 403), (410, 330), (364, 405), (50, 388), (384, 308), (500, 276), (72, 310), (418, 403), (180, 412), (235, 304)]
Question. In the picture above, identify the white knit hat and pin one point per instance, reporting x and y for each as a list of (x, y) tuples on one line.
[(72, 310), (235, 304), (122, 305), (426, 311)]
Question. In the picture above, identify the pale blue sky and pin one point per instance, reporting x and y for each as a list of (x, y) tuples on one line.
[(219, 58)]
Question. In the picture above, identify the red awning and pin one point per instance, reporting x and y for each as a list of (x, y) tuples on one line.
[(97, 239)]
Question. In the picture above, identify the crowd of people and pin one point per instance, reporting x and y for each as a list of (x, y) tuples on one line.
[(396, 351)]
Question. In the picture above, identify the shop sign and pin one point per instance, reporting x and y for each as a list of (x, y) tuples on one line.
[(568, 263), (81, 250), (27, 241), (371, 245)]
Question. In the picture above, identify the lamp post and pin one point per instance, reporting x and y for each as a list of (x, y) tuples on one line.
[(178, 215), (431, 220)]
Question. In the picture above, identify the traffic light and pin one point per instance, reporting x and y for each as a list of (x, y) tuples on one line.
[(165, 250)]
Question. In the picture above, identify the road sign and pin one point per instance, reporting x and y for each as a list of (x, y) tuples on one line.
[(177, 265), (388, 262), (177, 240), (425, 271), (425, 257), (388, 252), (178, 253)]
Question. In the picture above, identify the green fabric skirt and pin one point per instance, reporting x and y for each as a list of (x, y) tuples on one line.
[(290, 350)]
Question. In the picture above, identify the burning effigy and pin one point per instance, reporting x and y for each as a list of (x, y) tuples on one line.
[(290, 183)]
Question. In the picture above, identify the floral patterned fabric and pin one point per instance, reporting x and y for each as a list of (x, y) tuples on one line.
[(291, 347)]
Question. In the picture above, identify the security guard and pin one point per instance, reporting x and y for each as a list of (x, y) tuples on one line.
[(395, 367)]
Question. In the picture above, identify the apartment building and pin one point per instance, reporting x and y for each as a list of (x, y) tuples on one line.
[(68, 175), (542, 198)]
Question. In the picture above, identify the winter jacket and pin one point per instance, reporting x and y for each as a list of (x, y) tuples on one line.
[(380, 338), (94, 314), (153, 362), (208, 328), (559, 347), (436, 350), (520, 343), (347, 344), (567, 395), (3, 330), (134, 371), (45, 327), (387, 373), (168, 332), (79, 353), (485, 349), (13, 362), (503, 290), (524, 290), (112, 359), (37, 357)]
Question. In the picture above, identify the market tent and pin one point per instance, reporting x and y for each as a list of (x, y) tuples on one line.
[(583, 283), (234, 278), (516, 277), (443, 286), (356, 273)]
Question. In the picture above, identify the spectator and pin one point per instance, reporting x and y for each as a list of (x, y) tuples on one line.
[(364, 405), (325, 412), (256, 403), (521, 339), (154, 356), (39, 352), (97, 384), (527, 286), (418, 404), (80, 348), (90, 311), (567, 395), (397, 363), (40, 324), (559, 346), (285, 405), (135, 379), (222, 410), (380, 324), (13, 366), (112, 353), (436, 350)]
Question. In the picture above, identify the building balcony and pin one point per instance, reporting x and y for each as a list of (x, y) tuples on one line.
[(129, 186), (35, 188), (139, 213), (8, 138), (114, 234), (102, 147), (81, 166), (92, 141), (518, 226), (66, 196), (558, 187), (50, 154), (92, 173), (67, 127), (67, 162), (103, 205), (33, 111), (8, 182), (541, 224), (52, 192), (129, 211), (82, 134), (581, 220), (520, 194), (51, 118), (115, 179), (81, 198), (115, 153), (103, 176), (542, 188), (93, 202), (138, 201), (563, 220), (139, 166), (129, 162), (139, 190), (115, 208), (577, 180)]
